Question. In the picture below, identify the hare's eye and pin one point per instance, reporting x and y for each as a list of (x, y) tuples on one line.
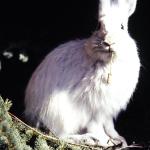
[(122, 27)]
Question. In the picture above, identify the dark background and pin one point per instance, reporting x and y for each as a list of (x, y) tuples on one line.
[(35, 29)]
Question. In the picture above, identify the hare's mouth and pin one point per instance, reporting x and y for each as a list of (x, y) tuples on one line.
[(101, 49), (103, 55)]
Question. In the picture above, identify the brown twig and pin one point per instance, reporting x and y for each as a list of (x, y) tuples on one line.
[(131, 146)]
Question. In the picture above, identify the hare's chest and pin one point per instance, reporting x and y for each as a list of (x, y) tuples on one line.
[(113, 87), (124, 78)]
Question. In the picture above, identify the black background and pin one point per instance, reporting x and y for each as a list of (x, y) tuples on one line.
[(35, 29)]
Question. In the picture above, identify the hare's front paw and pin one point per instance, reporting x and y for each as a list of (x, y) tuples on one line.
[(119, 141), (81, 139), (89, 139)]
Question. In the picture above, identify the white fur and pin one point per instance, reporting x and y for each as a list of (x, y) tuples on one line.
[(69, 91)]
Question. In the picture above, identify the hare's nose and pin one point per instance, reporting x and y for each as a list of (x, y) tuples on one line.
[(102, 31)]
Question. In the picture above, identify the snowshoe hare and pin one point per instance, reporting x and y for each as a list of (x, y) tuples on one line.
[(82, 85)]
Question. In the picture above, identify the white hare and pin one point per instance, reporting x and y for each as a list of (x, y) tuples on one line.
[(82, 85)]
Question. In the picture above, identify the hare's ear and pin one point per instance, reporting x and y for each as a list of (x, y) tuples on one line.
[(132, 6)]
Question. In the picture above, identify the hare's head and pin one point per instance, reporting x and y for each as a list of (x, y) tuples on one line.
[(113, 17), (112, 35), (115, 12)]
